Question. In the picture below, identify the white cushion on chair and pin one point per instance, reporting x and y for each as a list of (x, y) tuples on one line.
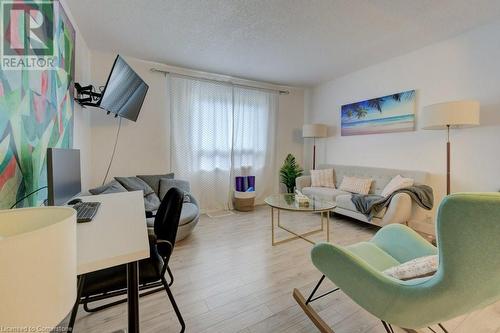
[(416, 268)]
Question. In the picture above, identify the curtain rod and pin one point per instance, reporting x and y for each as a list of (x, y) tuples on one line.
[(281, 92)]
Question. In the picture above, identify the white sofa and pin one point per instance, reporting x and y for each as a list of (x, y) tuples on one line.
[(400, 210)]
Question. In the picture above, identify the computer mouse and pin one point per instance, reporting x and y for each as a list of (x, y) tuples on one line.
[(74, 201)]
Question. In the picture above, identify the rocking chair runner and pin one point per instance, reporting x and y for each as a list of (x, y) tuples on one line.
[(112, 281), (468, 277)]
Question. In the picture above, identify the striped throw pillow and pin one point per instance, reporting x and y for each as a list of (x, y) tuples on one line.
[(356, 185), (395, 184), (322, 178), (416, 268)]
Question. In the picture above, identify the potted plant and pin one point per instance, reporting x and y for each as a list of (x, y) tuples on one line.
[(289, 171)]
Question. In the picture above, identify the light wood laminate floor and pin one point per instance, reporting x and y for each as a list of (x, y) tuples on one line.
[(228, 278)]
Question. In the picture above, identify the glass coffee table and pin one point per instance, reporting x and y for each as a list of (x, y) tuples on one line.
[(287, 202)]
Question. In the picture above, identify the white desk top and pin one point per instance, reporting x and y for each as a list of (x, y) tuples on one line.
[(117, 234)]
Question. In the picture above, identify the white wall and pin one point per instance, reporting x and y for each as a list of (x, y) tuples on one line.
[(144, 146), (82, 130), (290, 121), (465, 67)]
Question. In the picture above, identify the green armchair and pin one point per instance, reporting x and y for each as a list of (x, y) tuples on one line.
[(468, 276)]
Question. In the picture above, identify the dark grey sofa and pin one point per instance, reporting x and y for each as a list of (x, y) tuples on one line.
[(190, 216), (150, 184)]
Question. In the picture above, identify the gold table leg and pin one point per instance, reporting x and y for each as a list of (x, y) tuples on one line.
[(322, 221), (297, 235), (279, 223), (327, 226), (272, 226)]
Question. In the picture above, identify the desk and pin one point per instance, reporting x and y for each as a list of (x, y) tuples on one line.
[(117, 235)]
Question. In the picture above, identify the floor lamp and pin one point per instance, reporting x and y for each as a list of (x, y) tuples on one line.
[(314, 131), (449, 115)]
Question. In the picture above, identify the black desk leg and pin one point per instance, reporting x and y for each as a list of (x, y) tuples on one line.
[(133, 296), (79, 289)]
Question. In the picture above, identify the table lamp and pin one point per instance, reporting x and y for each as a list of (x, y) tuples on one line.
[(314, 131), (37, 267), (458, 114)]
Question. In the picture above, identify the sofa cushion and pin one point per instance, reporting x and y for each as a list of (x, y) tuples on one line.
[(324, 193), (356, 185), (151, 200), (154, 180), (166, 184), (111, 187), (344, 201), (188, 213), (322, 178), (381, 176), (395, 184)]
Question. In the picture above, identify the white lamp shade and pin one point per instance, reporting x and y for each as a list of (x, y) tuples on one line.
[(37, 266), (457, 114), (314, 131)]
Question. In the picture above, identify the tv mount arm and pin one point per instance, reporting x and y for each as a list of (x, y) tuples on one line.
[(87, 96)]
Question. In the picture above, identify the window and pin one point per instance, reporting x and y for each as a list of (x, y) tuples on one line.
[(219, 131)]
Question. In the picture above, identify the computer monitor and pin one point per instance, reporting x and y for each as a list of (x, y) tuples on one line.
[(63, 175)]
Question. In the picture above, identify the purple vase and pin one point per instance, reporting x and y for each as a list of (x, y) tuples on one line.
[(240, 183), (251, 182)]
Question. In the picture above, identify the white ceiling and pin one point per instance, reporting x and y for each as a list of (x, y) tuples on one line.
[(292, 42)]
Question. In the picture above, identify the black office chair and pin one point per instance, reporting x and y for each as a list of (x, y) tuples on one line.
[(111, 282)]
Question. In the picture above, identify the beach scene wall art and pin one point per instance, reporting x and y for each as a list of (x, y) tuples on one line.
[(387, 114)]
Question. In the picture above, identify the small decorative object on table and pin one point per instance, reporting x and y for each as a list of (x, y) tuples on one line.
[(244, 194), (301, 199)]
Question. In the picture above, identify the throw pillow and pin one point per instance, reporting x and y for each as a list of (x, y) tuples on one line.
[(395, 184), (111, 187), (151, 200), (416, 268), (322, 178), (154, 180), (166, 184), (356, 185)]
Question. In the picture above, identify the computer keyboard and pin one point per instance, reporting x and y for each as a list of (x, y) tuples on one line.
[(85, 211)]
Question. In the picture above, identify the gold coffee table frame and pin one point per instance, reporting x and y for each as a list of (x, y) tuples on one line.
[(280, 202)]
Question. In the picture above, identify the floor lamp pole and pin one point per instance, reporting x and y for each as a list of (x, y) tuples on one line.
[(314, 153), (448, 148)]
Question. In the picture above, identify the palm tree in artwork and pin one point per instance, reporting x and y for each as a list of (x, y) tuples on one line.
[(360, 112), (376, 103)]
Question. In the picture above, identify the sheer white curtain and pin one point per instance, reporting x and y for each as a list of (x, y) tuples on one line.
[(254, 138), (218, 132)]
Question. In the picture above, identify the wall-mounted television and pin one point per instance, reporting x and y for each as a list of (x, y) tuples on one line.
[(124, 91)]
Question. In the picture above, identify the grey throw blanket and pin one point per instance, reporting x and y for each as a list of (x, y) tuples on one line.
[(372, 204)]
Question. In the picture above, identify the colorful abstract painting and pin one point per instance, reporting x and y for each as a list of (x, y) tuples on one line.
[(36, 107), (387, 114)]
